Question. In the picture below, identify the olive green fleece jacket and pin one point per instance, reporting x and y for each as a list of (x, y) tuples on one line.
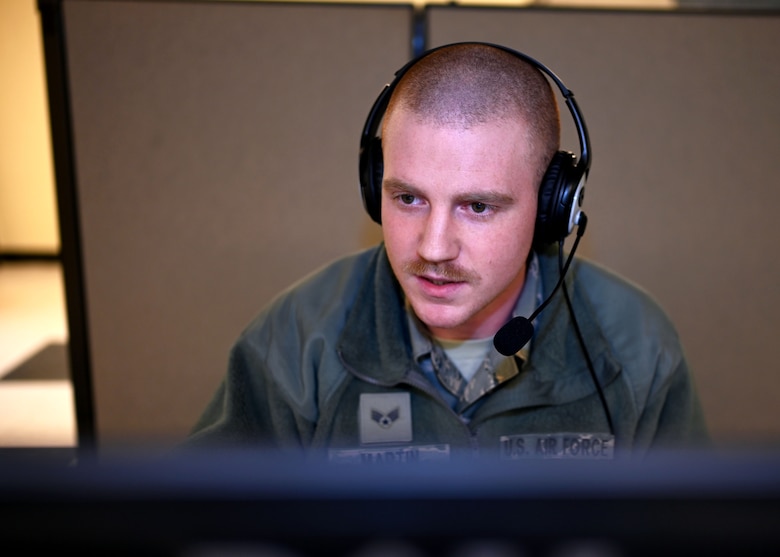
[(296, 375)]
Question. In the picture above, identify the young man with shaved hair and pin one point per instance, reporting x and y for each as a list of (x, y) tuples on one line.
[(388, 354)]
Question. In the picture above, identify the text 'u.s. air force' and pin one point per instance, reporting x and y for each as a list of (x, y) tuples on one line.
[(594, 446)]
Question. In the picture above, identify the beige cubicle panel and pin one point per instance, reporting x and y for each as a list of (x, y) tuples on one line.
[(683, 194), (215, 161)]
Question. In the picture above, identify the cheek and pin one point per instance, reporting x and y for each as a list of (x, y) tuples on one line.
[(518, 231), (397, 236), (398, 227), (507, 249)]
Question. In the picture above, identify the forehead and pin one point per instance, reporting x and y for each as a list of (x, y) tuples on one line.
[(419, 152)]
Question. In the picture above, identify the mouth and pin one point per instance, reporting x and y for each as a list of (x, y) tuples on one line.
[(436, 288), (439, 282)]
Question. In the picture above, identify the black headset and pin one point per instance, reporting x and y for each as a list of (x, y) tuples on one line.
[(562, 188)]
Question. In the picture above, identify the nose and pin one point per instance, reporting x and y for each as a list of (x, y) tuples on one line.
[(438, 241)]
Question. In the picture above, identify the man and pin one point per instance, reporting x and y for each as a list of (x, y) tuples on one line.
[(389, 355)]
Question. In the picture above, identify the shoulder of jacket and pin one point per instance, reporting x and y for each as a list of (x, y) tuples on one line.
[(640, 332), (321, 295), (291, 342), (617, 298)]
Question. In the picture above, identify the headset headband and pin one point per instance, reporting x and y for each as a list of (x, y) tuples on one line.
[(377, 111)]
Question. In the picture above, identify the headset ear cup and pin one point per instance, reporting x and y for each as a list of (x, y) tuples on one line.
[(378, 171), (371, 179), (555, 199)]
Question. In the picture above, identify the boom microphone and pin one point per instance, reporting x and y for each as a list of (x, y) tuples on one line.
[(516, 332)]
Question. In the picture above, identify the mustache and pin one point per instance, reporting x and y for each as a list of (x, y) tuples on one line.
[(446, 271)]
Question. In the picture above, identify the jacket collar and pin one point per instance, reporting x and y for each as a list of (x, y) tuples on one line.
[(557, 371), (374, 343)]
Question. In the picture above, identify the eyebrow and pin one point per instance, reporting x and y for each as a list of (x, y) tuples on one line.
[(396, 184), (489, 197)]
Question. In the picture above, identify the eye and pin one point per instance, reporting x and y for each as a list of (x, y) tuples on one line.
[(406, 198), (479, 209)]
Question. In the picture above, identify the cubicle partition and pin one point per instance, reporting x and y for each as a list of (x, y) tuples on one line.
[(214, 150), (206, 157)]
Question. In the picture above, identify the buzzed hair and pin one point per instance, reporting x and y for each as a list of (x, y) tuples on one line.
[(465, 85)]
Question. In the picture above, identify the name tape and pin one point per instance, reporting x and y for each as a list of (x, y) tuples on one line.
[(398, 454)]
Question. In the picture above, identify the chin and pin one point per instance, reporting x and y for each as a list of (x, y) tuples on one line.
[(438, 319)]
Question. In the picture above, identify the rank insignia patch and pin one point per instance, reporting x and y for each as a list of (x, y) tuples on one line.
[(385, 418)]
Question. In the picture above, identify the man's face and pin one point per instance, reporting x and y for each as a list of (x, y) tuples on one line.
[(458, 214)]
